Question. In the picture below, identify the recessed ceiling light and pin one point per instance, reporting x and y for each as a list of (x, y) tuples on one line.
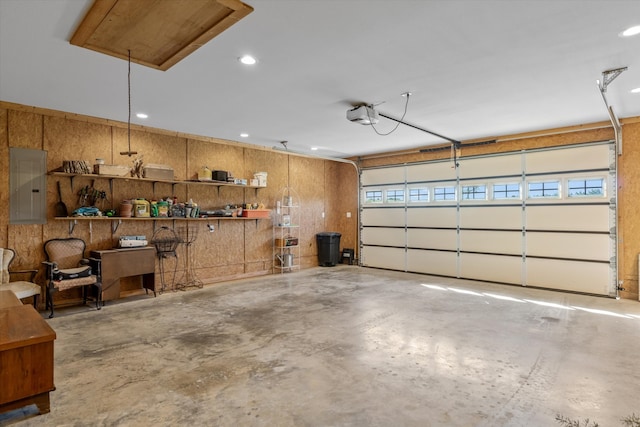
[(142, 116), (247, 60), (636, 90), (244, 135), (631, 31), (314, 148)]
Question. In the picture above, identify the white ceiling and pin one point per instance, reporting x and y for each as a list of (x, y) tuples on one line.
[(476, 69)]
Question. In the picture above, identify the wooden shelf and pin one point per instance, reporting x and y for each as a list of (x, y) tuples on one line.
[(117, 220), (156, 218), (131, 178)]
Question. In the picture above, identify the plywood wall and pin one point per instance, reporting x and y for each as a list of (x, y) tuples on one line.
[(4, 177), (235, 249), (628, 212), (341, 180)]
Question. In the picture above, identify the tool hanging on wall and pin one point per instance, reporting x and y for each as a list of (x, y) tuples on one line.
[(90, 196), (61, 208), (129, 152)]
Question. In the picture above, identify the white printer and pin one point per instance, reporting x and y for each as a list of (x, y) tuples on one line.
[(132, 241)]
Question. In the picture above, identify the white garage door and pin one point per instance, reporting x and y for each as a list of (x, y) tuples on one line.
[(543, 218)]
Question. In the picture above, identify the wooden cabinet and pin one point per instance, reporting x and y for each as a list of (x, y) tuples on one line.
[(117, 263), (26, 356)]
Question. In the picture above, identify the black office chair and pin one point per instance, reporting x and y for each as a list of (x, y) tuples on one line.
[(67, 268)]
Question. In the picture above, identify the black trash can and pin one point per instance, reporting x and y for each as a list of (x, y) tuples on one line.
[(328, 248)]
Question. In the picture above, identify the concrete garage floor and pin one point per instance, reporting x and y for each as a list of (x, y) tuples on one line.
[(347, 346)]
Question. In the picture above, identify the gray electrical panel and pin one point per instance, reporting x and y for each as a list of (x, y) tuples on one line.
[(27, 186)]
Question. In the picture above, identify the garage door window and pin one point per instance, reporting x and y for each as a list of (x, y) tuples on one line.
[(544, 189), (395, 196), (444, 193), (586, 187), (474, 192), (374, 196), (506, 191), (418, 195)]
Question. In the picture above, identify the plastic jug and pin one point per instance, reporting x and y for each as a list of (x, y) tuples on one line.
[(204, 174), (163, 209), (154, 208), (141, 208)]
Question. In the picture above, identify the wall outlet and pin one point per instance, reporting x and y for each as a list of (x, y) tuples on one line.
[(348, 214), (322, 214)]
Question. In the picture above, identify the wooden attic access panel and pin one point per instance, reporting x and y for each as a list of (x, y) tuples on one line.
[(159, 33)]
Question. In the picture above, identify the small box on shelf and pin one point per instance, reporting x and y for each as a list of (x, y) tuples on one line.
[(286, 242), (256, 213), (111, 170), (161, 172)]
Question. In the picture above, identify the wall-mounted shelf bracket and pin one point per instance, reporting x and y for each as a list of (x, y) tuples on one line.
[(115, 225), (72, 226)]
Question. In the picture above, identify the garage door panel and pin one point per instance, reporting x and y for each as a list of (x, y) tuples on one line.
[(575, 158), (383, 236), (568, 275), (382, 176), (390, 258), (495, 217), (432, 239), (432, 217), (495, 242), (493, 268), (569, 245), (430, 172), (503, 165), (382, 216), (432, 262), (568, 217)]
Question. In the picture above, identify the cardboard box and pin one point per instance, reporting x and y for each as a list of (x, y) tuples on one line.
[(286, 242), (161, 172), (111, 170), (256, 213)]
